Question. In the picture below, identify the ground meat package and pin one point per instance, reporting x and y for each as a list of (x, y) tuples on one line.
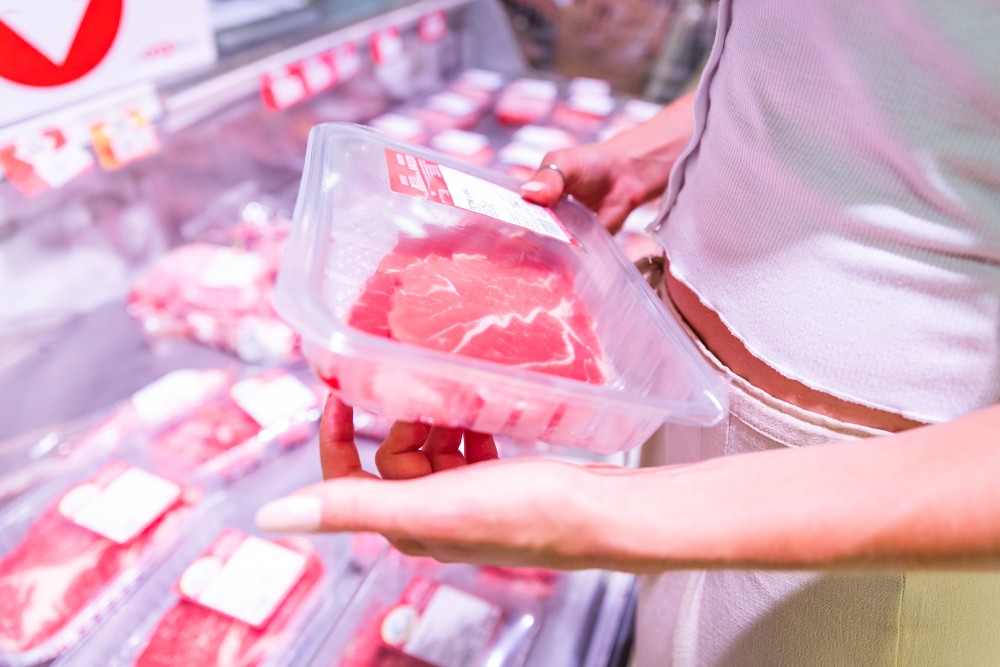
[(428, 290), (418, 613), (75, 549)]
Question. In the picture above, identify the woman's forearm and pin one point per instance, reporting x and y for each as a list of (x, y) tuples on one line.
[(929, 497)]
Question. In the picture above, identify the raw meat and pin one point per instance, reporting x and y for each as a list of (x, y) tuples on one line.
[(194, 636), (219, 296), (527, 317), (210, 430), (485, 296), (389, 636), (59, 568)]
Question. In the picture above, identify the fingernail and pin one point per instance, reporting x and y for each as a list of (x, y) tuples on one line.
[(534, 187), (294, 514)]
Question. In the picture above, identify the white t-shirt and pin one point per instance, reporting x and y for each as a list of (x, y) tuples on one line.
[(839, 205)]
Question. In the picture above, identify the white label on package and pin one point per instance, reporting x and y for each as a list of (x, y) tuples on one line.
[(482, 78), (452, 104), (521, 155), (460, 142), (231, 268), (398, 126), (418, 177), (545, 137), (170, 396), (271, 401), (254, 581), (454, 629), (479, 196), (595, 105), (124, 508), (543, 90)]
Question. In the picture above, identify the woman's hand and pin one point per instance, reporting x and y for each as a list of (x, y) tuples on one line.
[(612, 178), (527, 512), (410, 450)]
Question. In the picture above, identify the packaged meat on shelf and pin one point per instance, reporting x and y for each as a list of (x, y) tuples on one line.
[(73, 551), (47, 453), (258, 417), (218, 295), (232, 597), (419, 613), (428, 290)]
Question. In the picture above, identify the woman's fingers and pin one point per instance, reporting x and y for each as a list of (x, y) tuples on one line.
[(338, 453), (480, 447), (400, 455), (442, 448)]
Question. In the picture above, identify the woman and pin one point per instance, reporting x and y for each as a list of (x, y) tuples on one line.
[(832, 234)]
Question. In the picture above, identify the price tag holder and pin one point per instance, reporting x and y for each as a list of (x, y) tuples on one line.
[(319, 73), (387, 46), (124, 136), (346, 60), (283, 88), (44, 160), (433, 27)]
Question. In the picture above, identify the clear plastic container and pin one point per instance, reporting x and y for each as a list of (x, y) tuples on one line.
[(71, 552), (639, 368), (418, 613), (232, 596)]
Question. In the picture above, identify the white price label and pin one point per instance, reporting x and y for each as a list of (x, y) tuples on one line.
[(521, 155), (174, 394), (549, 138), (54, 162), (250, 585), (272, 400), (124, 508), (481, 78), (595, 105), (231, 268), (398, 126), (536, 88), (454, 629), (460, 142), (480, 196), (452, 104)]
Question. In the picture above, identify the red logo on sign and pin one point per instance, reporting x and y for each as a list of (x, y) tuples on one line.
[(22, 63)]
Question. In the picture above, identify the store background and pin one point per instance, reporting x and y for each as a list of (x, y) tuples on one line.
[(219, 143)]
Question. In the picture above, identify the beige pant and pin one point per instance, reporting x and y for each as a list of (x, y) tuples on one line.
[(803, 618)]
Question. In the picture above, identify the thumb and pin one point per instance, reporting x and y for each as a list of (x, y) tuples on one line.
[(352, 504), (549, 182)]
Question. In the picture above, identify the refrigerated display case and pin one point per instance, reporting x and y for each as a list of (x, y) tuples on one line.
[(216, 159)]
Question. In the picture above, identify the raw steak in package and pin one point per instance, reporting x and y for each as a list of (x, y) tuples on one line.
[(415, 613), (428, 290), (39, 457), (253, 419), (217, 295), (65, 564), (238, 605)]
